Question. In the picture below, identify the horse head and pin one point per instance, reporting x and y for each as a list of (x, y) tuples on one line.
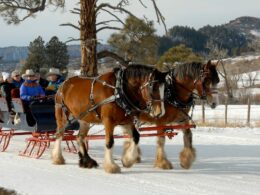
[(146, 88), (152, 91), (206, 84)]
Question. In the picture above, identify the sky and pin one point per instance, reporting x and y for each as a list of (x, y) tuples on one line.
[(193, 13)]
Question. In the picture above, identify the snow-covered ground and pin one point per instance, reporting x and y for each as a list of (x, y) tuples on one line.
[(228, 162), (236, 114)]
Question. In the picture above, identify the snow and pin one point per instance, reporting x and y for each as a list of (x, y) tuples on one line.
[(235, 114), (255, 33), (228, 162)]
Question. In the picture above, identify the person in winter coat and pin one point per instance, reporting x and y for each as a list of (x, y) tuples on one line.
[(55, 80), (17, 79), (6, 87), (30, 89)]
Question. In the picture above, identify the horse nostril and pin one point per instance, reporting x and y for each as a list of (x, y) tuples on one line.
[(213, 105)]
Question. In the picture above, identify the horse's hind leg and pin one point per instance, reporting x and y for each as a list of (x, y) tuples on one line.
[(84, 159), (130, 153), (188, 154), (109, 164), (161, 160)]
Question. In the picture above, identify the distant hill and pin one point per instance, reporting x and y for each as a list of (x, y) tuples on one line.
[(15, 54), (249, 26)]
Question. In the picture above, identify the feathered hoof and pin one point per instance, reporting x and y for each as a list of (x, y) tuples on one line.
[(187, 157), (138, 159), (58, 161), (112, 168), (88, 163), (127, 163), (163, 164)]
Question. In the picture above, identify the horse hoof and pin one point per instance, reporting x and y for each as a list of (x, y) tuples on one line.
[(112, 168), (138, 160), (187, 157), (58, 161), (127, 163), (164, 164), (88, 163)]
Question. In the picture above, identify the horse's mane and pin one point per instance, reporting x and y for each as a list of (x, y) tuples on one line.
[(138, 71), (191, 70)]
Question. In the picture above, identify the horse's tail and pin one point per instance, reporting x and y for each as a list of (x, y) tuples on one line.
[(59, 113)]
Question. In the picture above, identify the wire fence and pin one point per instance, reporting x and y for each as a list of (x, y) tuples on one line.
[(228, 115)]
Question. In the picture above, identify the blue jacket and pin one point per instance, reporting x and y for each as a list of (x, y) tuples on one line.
[(54, 86), (18, 84), (30, 89)]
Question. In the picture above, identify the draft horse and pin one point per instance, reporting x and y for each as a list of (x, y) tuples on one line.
[(181, 82), (113, 99)]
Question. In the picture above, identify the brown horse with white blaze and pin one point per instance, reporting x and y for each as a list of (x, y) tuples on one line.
[(112, 99), (180, 84)]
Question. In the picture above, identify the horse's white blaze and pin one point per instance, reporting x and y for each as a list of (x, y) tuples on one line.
[(161, 89)]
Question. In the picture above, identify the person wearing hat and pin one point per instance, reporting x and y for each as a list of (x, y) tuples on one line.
[(29, 91), (6, 88), (17, 81), (30, 88), (55, 80)]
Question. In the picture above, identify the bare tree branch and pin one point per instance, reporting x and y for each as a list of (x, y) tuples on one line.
[(106, 53), (71, 25), (106, 22), (115, 16), (121, 9), (71, 39), (108, 28)]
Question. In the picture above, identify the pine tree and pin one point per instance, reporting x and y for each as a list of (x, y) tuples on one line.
[(180, 53), (136, 41), (57, 54), (36, 57)]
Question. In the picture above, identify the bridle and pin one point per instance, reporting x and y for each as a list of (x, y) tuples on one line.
[(149, 87)]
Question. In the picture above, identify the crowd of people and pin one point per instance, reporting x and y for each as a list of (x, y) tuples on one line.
[(28, 86)]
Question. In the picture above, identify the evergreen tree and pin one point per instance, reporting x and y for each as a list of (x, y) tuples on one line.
[(136, 41), (36, 57), (57, 54), (180, 53)]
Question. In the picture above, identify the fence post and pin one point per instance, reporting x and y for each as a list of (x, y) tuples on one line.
[(248, 110), (203, 112), (226, 112)]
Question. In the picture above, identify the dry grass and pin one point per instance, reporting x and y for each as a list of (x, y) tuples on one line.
[(4, 191)]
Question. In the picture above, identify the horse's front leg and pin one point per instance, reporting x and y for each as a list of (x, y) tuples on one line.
[(109, 164), (57, 157), (188, 154), (85, 161), (131, 152), (161, 160)]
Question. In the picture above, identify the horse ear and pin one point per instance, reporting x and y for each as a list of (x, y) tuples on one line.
[(206, 66), (168, 79), (218, 62)]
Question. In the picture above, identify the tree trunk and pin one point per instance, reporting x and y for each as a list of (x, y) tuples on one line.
[(88, 38), (228, 87)]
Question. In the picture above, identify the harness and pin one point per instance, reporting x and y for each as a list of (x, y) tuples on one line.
[(119, 97), (171, 95), (122, 99)]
